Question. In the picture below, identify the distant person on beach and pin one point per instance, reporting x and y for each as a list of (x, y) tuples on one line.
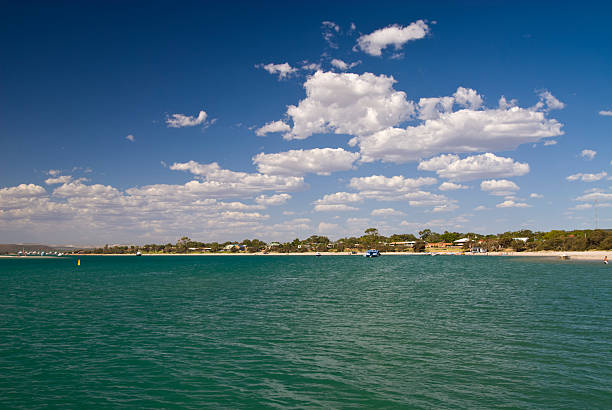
[(606, 259)]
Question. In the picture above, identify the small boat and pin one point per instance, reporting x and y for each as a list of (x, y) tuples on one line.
[(138, 253), (564, 256), (318, 254), (371, 253)]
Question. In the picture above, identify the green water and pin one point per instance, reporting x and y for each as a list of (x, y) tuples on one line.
[(300, 331)]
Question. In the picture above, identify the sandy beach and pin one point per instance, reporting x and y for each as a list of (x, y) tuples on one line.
[(572, 255)]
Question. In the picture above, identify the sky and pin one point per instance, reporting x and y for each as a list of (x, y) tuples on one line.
[(142, 122)]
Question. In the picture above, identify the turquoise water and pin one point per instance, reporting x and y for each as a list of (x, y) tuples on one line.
[(300, 331)]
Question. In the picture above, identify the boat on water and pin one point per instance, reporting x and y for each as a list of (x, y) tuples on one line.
[(372, 253), (138, 253), (318, 254)]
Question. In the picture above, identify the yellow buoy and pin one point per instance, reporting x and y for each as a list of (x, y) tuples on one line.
[(78, 262)]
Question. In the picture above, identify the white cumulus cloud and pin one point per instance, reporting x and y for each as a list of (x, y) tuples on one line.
[(182, 120), (334, 208), (474, 167), (321, 161), (339, 198), (397, 184), (606, 113), (62, 179), (218, 182), (450, 186), (278, 199), (394, 35), (130, 137), (272, 126), (512, 204), (348, 103), (595, 196), (386, 212), (499, 187)]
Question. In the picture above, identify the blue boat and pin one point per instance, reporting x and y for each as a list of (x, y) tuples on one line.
[(371, 253)]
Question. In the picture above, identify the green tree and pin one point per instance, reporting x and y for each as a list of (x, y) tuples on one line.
[(371, 231), (419, 246)]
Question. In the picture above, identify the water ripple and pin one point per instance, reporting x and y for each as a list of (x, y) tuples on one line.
[(294, 332)]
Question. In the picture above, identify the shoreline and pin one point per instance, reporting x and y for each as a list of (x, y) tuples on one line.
[(575, 255)]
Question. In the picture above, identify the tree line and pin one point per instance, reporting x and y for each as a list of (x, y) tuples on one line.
[(518, 241)]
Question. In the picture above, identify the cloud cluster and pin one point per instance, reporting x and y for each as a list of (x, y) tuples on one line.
[(182, 120), (474, 167), (152, 211), (61, 179), (394, 35), (329, 31), (587, 177), (368, 108), (472, 128), (320, 161), (223, 183), (399, 188), (159, 210)]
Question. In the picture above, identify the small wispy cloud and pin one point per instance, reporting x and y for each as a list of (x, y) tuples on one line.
[(130, 138), (587, 177), (283, 70), (329, 31), (588, 154), (341, 65)]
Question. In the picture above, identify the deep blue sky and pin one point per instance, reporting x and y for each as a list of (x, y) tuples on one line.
[(76, 79)]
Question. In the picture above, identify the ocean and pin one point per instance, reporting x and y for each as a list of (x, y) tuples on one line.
[(304, 331)]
